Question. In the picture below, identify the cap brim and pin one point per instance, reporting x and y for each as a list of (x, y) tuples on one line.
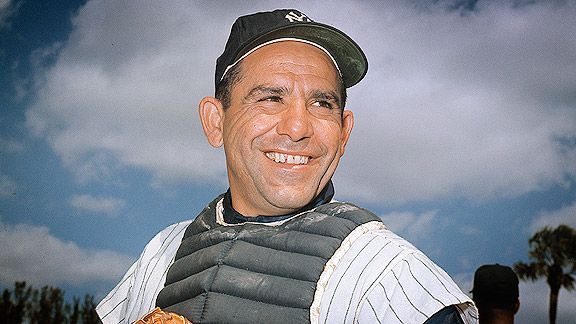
[(351, 61)]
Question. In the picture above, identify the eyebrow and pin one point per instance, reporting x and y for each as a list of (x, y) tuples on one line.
[(264, 90), (261, 89)]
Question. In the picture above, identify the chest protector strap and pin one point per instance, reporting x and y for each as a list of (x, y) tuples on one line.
[(255, 273)]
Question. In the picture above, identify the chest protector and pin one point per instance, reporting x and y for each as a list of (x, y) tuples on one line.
[(254, 272)]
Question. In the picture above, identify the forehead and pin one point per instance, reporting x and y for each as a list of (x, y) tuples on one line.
[(294, 58)]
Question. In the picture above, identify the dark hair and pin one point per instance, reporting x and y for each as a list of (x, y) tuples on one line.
[(224, 88), (343, 94), (234, 75)]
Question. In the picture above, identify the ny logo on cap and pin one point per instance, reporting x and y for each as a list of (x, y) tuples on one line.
[(292, 17)]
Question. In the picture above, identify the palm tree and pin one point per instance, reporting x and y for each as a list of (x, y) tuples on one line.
[(553, 252)]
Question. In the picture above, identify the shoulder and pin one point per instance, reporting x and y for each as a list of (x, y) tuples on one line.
[(383, 277), (167, 237), (136, 292), (163, 245)]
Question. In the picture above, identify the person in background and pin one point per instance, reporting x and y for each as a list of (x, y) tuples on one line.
[(496, 294)]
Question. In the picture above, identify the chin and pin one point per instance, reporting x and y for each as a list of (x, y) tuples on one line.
[(292, 200)]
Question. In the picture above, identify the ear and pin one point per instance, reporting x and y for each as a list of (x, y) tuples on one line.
[(347, 125), (211, 115)]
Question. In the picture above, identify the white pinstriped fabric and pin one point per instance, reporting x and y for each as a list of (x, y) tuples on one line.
[(378, 277), (136, 293), (384, 279)]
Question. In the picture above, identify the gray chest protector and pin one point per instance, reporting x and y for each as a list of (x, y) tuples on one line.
[(255, 273)]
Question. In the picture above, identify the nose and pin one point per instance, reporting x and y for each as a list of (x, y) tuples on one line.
[(296, 122)]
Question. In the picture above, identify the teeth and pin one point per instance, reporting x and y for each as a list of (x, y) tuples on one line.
[(287, 158)]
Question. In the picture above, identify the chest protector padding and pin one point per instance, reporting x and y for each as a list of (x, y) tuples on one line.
[(254, 273)]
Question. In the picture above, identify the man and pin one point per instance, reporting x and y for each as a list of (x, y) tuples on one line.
[(496, 294), (276, 248)]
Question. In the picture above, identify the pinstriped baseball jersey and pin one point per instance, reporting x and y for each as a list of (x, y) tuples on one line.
[(374, 277)]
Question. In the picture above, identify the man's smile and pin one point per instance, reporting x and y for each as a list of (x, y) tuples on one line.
[(287, 158)]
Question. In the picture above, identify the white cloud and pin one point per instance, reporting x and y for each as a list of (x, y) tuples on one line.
[(534, 304), (7, 9), (411, 225), (126, 92), (7, 186), (32, 254), (420, 229), (9, 145), (4, 4), (467, 105), (105, 205), (566, 216)]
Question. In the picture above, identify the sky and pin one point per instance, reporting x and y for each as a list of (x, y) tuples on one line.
[(464, 140)]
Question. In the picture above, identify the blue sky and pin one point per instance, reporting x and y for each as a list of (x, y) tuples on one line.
[(464, 142)]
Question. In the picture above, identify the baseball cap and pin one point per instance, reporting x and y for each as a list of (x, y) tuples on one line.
[(496, 284), (252, 31)]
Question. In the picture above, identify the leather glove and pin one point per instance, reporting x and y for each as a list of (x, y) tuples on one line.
[(158, 316)]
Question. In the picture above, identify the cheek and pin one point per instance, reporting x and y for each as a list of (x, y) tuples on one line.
[(262, 125), (331, 134), (259, 125), (248, 128)]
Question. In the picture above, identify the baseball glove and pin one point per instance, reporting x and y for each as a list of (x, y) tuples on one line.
[(158, 316)]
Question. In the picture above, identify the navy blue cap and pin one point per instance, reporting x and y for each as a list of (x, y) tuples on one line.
[(249, 32), (495, 283)]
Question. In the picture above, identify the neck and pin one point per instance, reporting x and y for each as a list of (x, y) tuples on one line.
[(496, 316), (232, 216)]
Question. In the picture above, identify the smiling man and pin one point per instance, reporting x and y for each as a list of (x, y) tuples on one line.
[(276, 247), (283, 132)]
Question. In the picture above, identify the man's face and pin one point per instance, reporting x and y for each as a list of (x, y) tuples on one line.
[(283, 133)]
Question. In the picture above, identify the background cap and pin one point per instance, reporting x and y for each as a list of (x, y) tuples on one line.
[(252, 30), (495, 283)]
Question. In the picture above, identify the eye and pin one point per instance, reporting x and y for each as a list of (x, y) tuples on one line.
[(323, 104), (271, 99)]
